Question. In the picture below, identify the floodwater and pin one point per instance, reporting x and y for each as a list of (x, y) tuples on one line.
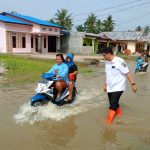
[(81, 125)]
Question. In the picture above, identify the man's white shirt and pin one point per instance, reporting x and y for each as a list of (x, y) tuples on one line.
[(116, 71)]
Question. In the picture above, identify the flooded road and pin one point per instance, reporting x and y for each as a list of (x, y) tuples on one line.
[(80, 125)]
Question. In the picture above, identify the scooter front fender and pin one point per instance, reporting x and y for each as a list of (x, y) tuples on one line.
[(38, 97)]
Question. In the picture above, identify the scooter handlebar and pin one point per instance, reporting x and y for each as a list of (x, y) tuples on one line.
[(50, 76)]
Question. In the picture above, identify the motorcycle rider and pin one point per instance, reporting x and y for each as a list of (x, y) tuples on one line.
[(73, 71), (60, 69), (144, 61)]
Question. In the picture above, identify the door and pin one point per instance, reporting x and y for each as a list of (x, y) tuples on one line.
[(52, 44)]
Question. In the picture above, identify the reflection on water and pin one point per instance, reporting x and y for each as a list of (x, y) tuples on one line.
[(80, 125)]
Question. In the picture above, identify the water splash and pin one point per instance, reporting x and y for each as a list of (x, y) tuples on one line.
[(84, 102)]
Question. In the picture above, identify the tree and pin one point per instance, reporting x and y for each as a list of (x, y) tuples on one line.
[(99, 26), (64, 19), (138, 28), (80, 28), (94, 25), (13, 12), (90, 23), (146, 30), (51, 21), (108, 24)]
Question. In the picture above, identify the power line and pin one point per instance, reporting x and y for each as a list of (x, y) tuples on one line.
[(141, 4), (136, 18), (108, 8)]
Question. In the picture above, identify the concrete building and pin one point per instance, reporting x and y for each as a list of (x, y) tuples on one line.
[(25, 34), (80, 42)]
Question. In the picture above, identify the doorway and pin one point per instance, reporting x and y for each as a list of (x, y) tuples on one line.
[(52, 44)]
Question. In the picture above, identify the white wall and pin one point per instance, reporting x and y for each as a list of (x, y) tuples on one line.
[(18, 28), (131, 46), (2, 38)]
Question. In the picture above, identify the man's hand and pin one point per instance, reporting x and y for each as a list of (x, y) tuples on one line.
[(134, 88), (104, 88)]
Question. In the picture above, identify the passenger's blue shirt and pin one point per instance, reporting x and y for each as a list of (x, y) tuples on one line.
[(60, 70)]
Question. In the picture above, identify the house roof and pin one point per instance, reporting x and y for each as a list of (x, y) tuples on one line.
[(12, 20), (123, 35), (32, 19), (145, 38)]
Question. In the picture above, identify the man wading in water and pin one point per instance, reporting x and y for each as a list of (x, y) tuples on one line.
[(116, 71)]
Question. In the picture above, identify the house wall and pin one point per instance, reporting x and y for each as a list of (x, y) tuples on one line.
[(34, 30), (64, 43), (49, 30), (28, 46), (33, 49), (57, 43), (75, 43), (44, 50), (2, 38), (132, 46), (18, 28)]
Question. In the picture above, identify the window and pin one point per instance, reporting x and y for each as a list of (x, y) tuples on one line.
[(23, 42), (31, 41), (44, 29), (84, 44), (56, 30), (14, 41), (44, 42), (50, 29)]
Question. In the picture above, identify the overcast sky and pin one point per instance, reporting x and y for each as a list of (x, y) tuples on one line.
[(45, 9)]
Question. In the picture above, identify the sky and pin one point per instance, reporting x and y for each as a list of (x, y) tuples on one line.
[(125, 17)]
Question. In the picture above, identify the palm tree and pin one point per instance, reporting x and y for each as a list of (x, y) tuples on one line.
[(109, 24), (90, 23), (98, 27), (146, 30), (80, 28), (64, 19), (13, 12), (51, 21), (138, 28)]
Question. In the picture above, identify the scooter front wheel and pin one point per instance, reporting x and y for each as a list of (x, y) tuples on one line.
[(37, 103)]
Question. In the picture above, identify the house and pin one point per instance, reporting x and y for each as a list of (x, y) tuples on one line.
[(131, 40), (26, 34), (81, 42)]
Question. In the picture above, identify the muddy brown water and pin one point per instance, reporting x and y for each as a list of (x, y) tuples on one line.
[(78, 126)]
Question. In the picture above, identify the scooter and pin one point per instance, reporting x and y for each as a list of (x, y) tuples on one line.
[(46, 92), (141, 66)]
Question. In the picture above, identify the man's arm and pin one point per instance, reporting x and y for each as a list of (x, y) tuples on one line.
[(105, 86), (129, 76)]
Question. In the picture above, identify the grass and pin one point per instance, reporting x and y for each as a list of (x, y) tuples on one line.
[(25, 70)]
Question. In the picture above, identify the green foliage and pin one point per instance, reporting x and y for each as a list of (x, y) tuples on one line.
[(94, 25), (63, 18), (26, 70), (138, 28), (80, 28), (108, 24), (146, 30), (21, 69)]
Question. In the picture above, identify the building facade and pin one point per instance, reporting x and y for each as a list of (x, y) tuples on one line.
[(127, 40), (25, 34)]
